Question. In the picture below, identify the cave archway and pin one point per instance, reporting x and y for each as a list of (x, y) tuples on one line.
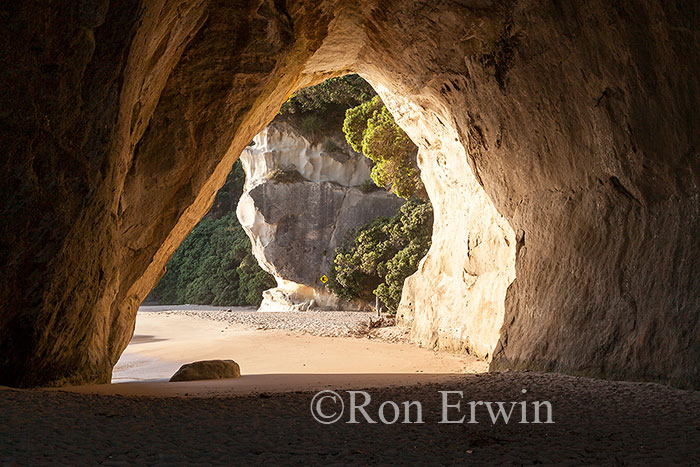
[(575, 123)]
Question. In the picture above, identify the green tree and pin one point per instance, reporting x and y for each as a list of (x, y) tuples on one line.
[(377, 258), (371, 129), (214, 265), (227, 197), (323, 106)]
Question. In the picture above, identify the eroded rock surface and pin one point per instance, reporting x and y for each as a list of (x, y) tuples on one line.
[(574, 121), (296, 225)]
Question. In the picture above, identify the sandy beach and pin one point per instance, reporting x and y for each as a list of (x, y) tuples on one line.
[(595, 423), (277, 352)]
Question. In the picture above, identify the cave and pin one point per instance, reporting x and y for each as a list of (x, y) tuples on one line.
[(558, 143)]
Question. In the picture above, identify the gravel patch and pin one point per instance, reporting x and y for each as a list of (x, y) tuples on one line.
[(317, 323)]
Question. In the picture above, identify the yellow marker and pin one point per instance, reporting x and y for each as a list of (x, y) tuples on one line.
[(324, 279)]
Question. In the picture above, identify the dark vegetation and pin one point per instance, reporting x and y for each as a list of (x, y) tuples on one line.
[(215, 265), (377, 258), (285, 176), (321, 108), (368, 186)]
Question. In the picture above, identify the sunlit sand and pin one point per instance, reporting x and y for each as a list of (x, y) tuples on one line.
[(270, 360)]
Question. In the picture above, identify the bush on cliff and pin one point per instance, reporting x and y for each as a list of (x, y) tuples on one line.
[(371, 130), (350, 102), (377, 258), (285, 176), (322, 107)]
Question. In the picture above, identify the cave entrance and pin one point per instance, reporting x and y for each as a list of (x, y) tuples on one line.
[(321, 181), (332, 165)]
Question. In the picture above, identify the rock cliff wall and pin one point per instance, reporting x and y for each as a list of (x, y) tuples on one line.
[(456, 299), (577, 121), (296, 225)]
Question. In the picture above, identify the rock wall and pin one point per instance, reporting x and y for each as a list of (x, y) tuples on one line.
[(456, 299), (296, 226), (577, 121), (579, 132)]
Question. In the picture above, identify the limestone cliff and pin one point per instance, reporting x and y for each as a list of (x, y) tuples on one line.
[(295, 225)]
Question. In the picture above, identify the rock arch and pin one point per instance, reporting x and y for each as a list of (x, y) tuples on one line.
[(572, 127)]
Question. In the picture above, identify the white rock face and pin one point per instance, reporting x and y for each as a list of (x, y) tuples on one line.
[(279, 145), (296, 227), (455, 300)]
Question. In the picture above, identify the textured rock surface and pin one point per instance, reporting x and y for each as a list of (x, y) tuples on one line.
[(456, 299), (578, 121), (207, 369), (296, 227)]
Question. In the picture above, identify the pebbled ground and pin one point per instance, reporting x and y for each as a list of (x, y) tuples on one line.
[(317, 323)]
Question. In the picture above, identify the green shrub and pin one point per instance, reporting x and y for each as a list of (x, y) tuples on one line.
[(330, 145), (368, 186), (311, 123), (377, 258), (328, 99), (370, 129), (252, 281)]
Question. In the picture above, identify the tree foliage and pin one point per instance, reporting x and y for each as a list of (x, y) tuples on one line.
[(227, 197), (322, 107), (214, 265), (370, 129), (377, 258)]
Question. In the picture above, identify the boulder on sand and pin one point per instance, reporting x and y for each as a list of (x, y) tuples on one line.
[(208, 369)]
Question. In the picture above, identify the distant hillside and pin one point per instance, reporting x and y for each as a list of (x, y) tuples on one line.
[(214, 264)]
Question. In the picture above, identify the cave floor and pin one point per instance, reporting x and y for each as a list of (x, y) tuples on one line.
[(595, 422)]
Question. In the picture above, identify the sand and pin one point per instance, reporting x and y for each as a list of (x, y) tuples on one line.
[(271, 360), (265, 416), (596, 423)]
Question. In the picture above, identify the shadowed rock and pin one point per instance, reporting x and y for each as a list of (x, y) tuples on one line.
[(207, 369), (296, 223)]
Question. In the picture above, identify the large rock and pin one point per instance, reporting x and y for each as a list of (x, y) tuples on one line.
[(207, 369), (559, 146), (296, 225)]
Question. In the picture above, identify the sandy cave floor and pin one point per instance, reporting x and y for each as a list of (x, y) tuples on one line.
[(265, 416), (596, 423)]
